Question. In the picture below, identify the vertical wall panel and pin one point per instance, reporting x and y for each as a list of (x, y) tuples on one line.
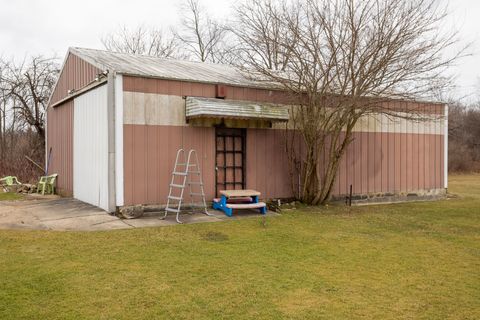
[(378, 154), (391, 162), (356, 161), (128, 160), (364, 160), (384, 167), (60, 140), (350, 163), (251, 157), (152, 162), (90, 148)]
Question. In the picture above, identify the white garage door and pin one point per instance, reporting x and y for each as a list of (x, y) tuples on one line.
[(90, 148)]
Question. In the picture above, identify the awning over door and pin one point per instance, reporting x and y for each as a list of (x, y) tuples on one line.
[(229, 109)]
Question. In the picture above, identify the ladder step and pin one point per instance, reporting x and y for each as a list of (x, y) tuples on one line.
[(196, 194), (171, 210), (176, 185), (174, 198), (180, 173)]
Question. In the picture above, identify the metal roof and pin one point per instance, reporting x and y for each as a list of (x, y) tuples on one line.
[(219, 108), (165, 68), (182, 70)]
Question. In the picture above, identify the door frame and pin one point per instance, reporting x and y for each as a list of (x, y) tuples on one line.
[(230, 133)]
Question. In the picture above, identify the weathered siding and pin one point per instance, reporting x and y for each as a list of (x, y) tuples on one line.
[(387, 155), (60, 140), (75, 74), (181, 88), (149, 156), (195, 89), (374, 162), (391, 163)]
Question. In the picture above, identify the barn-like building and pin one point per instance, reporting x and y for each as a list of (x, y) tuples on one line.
[(115, 122)]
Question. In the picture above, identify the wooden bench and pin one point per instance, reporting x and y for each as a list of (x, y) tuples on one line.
[(239, 199), (236, 200), (257, 205)]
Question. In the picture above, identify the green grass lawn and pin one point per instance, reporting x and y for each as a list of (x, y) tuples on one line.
[(402, 261), (8, 196)]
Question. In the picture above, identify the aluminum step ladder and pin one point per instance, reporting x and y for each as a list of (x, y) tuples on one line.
[(185, 172)]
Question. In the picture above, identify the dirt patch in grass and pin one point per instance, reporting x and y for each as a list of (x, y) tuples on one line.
[(214, 236)]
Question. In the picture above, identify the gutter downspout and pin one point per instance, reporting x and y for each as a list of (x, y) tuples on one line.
[(46, 139), (445, 148)]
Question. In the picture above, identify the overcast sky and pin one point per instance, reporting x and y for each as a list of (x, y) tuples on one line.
[(51, 26)]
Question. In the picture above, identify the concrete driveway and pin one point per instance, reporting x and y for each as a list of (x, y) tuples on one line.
[(74, 215)]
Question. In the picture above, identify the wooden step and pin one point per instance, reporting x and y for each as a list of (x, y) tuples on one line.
[(246, 205), (235, 200)]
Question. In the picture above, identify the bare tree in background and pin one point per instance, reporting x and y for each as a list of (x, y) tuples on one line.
[(24, 92), (3, 111), (346, 60), (203, 37), (144, 41), (258, 30), (464, 137), (28, 86)]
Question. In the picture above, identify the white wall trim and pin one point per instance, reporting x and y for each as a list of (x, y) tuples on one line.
[(119, 186), (46, 141), (445, 148)]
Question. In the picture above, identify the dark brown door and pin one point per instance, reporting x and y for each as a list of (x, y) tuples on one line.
[(230, 159)]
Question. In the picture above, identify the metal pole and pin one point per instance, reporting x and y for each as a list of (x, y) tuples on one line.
[(350, 197)]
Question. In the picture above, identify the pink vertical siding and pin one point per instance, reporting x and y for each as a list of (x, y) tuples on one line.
[(370, 164), (149, 156), (60, 140), (76, 74), (374, 163)]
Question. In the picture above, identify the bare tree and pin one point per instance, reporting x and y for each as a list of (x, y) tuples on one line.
[(144, 41), (464, 137), (28, 86), (3, 111), (23, 92), (258, 30), (347, 60), (202, 36)]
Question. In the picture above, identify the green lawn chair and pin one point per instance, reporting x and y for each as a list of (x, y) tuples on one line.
[(47, 184), (8, 181)]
